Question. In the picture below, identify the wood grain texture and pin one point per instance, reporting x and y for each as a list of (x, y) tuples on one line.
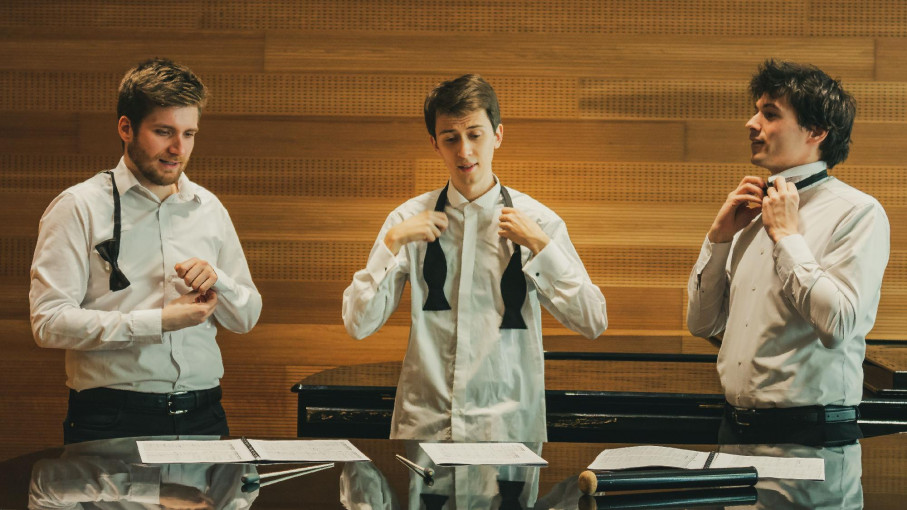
[(625, 117)]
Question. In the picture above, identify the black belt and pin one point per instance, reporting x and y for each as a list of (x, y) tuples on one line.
[(178, 402), (791, 415)]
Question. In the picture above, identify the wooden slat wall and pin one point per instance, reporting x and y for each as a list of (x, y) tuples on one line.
[(626, 117)]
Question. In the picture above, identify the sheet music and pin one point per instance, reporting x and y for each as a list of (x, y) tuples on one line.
[(633, 457), (182, 452), (482, 454), (307, 450), (788, 468)]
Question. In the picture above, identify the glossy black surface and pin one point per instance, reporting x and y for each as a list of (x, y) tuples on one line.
[(871, 474)]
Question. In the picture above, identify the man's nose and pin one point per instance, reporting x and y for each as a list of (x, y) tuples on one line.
[(177, 146), (465, 149), (753, 123)]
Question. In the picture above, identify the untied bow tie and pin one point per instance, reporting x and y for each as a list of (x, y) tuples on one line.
[(513, 282), (109, 250), (814, 178)]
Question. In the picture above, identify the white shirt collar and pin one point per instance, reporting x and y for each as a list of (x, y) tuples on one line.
[(126, 180), (486, 201), (798, 173)]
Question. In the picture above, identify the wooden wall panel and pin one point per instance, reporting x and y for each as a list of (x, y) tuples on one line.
[(874, 143), (115, 50), (625, 117)]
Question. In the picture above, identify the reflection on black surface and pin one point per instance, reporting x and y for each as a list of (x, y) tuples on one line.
[(364, 487), (842, 487), (109, 475), (693, 498), (473, 487)]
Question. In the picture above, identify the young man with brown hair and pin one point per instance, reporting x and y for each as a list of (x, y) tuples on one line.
[(481, 259), (132, 267)]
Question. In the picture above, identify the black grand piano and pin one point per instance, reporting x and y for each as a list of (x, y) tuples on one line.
[(597, 397)]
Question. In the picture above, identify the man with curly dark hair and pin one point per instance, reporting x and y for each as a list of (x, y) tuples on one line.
[(791, 270)]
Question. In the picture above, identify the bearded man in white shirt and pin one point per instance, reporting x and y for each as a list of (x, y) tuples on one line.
[(132, 267), (791, 270), (481, 260)]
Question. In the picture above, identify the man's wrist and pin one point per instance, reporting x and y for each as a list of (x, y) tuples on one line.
[(716, 237), (390, 240)]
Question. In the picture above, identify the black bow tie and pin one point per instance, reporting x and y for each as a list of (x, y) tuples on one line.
[(513, 282), (814, 178), (109, 250)]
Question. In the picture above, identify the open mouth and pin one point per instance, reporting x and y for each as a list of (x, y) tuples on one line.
[(170, 164), (467, 168)]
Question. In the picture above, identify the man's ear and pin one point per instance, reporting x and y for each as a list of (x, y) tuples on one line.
[(124, 129), (817, 135), (434, 143), (498, 136)]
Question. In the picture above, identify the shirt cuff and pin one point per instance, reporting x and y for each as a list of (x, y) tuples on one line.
[(146, 326), (718, 250), (224, 282), (144, 484), (789, 253), (546, 268), (382, 262)]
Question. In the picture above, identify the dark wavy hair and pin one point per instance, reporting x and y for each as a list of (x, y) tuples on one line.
[(465, 94), (158, 82), (819, 101)]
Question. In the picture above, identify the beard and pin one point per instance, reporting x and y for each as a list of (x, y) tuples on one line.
[(145, 163)]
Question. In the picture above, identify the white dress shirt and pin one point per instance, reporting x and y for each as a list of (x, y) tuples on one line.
[(796, 313), (463, 377), (114, 339)]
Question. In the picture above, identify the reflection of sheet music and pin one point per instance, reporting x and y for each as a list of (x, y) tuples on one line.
[(661, 456), (482, 454)]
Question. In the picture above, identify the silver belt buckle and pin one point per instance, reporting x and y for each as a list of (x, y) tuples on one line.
[(744, 417), (170, 410)]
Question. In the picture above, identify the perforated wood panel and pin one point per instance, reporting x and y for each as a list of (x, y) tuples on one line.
[(625, 117)]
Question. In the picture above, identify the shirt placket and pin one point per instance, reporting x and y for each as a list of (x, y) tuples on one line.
[(465, 314), (177, 350)]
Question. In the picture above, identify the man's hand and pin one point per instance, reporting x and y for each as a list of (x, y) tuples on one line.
[(425, 226), (197, 274), (781, 210), (188, 310), (521, 229), (742, 205), (183, 497)]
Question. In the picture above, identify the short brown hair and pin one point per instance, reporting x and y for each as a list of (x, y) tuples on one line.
[(465, 94), (158, 82)]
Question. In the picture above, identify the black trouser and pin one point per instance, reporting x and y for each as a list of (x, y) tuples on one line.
[(795, 426), (103, 413)]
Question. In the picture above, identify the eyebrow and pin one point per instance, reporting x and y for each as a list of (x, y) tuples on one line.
[(163, 125), (476, 126)]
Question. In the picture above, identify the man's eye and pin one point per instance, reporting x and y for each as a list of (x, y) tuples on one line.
[(162, 132)]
